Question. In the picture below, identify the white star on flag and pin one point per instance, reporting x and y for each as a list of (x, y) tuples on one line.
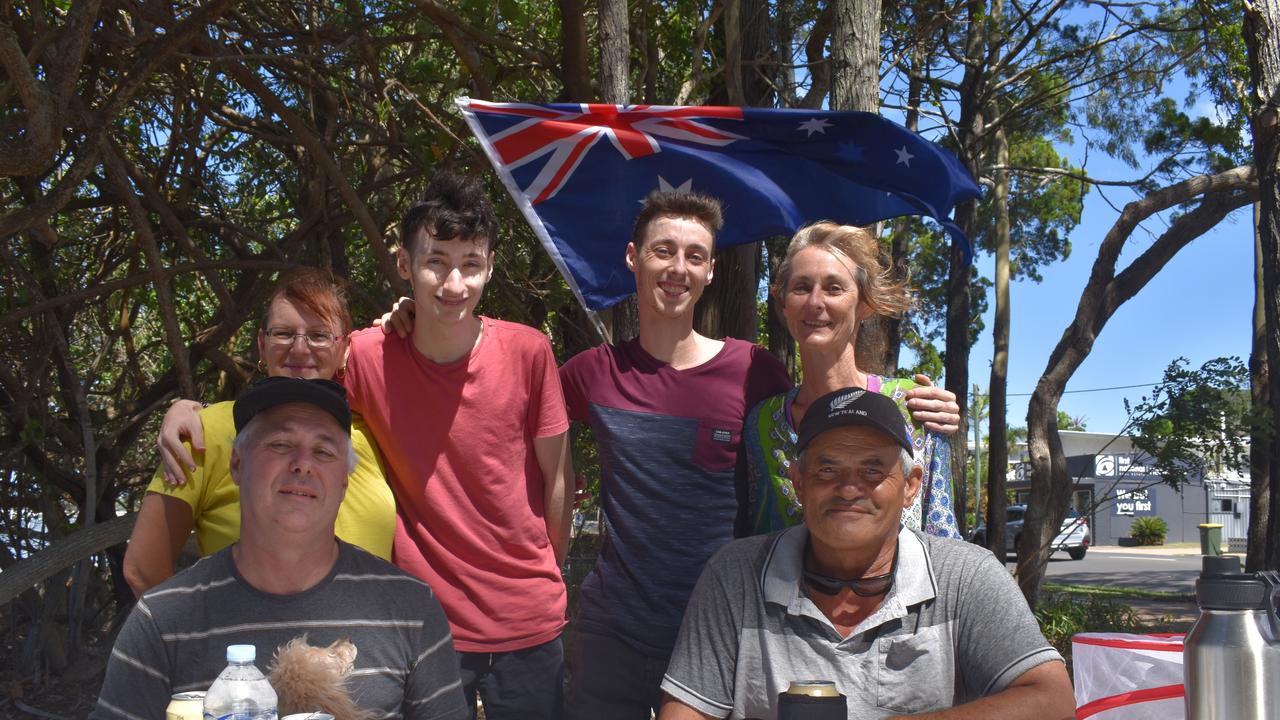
[(813, 125), (904, 157), (665, 186)]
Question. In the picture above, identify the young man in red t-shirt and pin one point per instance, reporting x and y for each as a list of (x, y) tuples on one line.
[(469, 415)]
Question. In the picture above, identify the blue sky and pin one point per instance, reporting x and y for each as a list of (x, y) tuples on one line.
[(1199, 307)]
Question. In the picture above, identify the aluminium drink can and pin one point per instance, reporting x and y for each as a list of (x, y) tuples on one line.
[(812, 700), (813, 688)]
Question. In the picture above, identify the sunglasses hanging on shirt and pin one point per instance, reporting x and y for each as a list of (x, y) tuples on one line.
[(862, 587)]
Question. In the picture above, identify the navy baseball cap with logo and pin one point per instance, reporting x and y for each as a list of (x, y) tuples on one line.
[(853, 406), (267, 393)]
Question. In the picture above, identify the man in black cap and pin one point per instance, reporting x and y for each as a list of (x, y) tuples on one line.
[(289, 576), (904, 624)]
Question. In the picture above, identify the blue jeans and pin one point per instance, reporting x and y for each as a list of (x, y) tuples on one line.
[(610, 680), (517, 685)]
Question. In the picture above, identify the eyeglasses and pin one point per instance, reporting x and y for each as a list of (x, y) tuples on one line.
[(317, 339)]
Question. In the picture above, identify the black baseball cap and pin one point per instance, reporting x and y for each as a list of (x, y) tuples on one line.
[(267, 393), (853, 406)]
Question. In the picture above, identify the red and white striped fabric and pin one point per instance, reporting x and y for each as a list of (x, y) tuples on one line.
[(1119, 676)]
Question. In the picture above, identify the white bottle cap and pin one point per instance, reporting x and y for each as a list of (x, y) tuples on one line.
[(242, 653)]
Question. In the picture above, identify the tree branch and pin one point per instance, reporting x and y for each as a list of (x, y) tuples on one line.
[(308, 139), (37, 213), (138, 279), (35, 150), (118, 176)]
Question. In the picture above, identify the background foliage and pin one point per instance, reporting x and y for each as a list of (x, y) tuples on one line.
[(162, 162)]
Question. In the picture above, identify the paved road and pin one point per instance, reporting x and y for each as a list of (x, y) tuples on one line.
[(1116, 567), (1128, 569)]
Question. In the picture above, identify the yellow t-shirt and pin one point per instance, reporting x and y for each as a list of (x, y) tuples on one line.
[(367, 517)]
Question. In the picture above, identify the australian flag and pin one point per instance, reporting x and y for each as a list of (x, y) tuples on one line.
[(580, 172)]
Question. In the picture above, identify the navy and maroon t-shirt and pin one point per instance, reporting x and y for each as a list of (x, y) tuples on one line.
[(668, 441)]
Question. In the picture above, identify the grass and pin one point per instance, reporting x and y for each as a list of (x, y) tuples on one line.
[(1111, 591)]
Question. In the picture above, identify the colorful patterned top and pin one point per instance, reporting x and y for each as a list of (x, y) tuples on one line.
[(767, 501)]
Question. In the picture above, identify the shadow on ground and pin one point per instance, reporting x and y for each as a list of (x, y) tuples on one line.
[(1165, 615)]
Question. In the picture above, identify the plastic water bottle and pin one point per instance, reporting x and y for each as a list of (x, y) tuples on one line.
[(241, 691)]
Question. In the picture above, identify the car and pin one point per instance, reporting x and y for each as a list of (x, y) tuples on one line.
[(1073, 537)]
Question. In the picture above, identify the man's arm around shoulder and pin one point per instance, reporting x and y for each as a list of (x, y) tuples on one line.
[(1041, 693)]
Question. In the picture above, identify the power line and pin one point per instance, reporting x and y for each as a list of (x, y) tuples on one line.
[(1066, 392)]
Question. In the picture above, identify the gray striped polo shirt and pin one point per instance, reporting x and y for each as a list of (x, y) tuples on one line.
[(953, 628), (176, 638)]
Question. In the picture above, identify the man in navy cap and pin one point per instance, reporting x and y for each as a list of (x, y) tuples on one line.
[(288, 576), (904, 624)]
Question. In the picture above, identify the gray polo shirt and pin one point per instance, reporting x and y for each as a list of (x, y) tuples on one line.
[(953, 628)]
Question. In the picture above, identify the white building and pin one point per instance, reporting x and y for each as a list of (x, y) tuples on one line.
[(1113, 485)]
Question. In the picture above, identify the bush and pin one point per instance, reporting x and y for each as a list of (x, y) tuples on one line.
[(1062, 616), (1148, 530)]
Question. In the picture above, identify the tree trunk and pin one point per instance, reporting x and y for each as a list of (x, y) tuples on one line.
[(899, 250), (781, 344), (1262, 39), (615, 87), (855, 57), (733, 51), (728, 307), (574, 75), (1260, 440), (997, 402), (615, 52), (784, 73), (855, 53), (971, 133), (956, 358), (1104, 293), (651, 59)]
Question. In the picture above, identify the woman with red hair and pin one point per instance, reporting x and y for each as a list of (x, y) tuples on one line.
[(303, 334)]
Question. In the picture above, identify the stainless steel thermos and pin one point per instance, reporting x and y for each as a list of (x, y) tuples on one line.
[(812, 700), (1231, 657)]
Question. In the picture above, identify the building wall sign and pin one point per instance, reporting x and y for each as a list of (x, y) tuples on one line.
[(1121, 465), (1135, 502)]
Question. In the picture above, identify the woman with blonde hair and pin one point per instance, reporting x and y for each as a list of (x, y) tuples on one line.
[(830, 280)]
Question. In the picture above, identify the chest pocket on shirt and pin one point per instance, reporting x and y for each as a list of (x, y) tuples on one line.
[(715, 447), (915, 673)]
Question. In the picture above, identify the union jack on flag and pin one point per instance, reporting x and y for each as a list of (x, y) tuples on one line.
[(774, 170), (568, 135)]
